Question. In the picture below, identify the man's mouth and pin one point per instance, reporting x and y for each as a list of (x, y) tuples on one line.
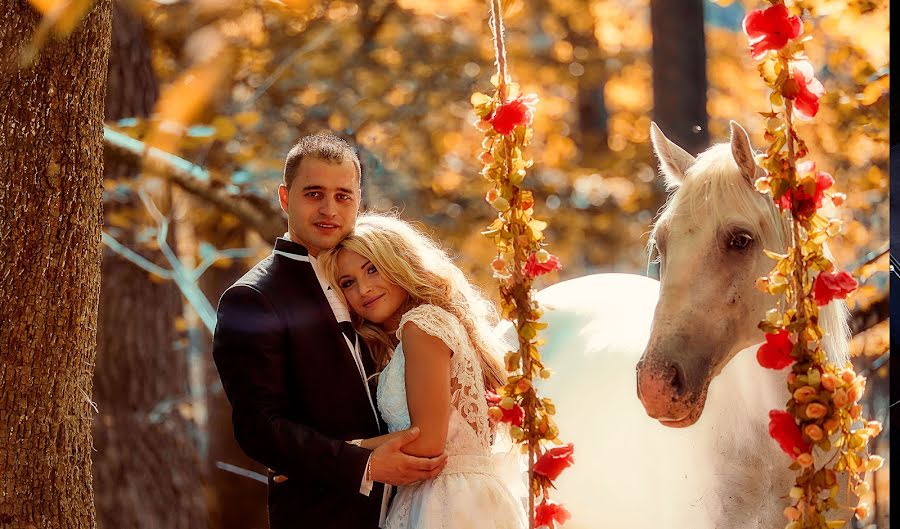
[(367, 304), (326, 226)]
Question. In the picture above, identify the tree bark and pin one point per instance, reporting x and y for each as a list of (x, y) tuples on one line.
[(147, 471), (679, 72), (51, 165)]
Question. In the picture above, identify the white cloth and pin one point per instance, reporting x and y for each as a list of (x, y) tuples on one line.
[(473, 490)]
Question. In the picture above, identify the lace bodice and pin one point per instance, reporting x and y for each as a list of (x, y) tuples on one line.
[(469, 430)]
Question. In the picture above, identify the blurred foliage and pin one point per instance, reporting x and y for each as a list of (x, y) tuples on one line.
[(244, 79)]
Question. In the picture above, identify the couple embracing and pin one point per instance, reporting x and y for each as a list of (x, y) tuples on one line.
[(356, 358)]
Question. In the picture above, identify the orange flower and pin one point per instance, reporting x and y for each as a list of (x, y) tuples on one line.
[(815, 410), (805, 460), (813, 432), (804, 394), (831, 424), (829, 381), (840, 398)]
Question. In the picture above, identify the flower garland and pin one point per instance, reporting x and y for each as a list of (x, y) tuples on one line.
[(823, 412), (505, 119)]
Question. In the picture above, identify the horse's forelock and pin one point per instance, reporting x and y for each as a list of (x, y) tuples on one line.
[(715, 186)]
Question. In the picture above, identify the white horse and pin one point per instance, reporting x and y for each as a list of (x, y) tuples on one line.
[(692, 337)]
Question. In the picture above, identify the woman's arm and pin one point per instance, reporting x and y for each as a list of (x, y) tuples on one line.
[(375, 442), (427, 389)]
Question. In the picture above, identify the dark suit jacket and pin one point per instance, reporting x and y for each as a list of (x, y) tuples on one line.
[(296, 394)]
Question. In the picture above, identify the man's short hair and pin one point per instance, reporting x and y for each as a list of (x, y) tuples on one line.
[(322, 146)]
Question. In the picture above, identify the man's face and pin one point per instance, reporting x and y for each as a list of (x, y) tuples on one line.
[(322, 203)]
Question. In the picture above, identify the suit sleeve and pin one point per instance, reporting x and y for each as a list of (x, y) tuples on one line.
[(249, 352)]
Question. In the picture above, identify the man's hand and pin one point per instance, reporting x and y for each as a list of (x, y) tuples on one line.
[(390, 465)]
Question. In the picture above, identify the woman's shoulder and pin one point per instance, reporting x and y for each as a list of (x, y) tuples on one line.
[(432, 320)]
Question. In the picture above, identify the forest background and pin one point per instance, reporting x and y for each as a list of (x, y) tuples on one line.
[(204, 98)]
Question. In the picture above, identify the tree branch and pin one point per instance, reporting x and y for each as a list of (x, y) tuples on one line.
[(863, 319), (258, 215)]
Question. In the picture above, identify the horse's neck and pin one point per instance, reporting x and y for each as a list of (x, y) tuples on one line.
[(747, 463)]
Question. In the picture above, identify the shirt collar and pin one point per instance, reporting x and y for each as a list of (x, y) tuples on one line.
[(286, 245)]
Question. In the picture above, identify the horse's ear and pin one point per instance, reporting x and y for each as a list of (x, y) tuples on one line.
[(743, 152), (673, 160)]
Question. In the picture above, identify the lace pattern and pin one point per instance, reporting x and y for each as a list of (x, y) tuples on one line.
[(466, 379), (472, 491)]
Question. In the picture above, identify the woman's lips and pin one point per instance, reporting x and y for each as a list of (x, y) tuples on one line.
[(369, 303)]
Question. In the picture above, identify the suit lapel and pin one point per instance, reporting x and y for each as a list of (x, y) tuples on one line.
[(302, 271)]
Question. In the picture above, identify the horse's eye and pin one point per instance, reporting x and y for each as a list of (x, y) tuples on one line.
[(739, 241)]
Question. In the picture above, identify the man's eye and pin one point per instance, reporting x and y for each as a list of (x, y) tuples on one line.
[(313, 194), (344, 197)]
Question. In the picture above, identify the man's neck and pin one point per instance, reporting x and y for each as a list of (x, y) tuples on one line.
[(289, 236)]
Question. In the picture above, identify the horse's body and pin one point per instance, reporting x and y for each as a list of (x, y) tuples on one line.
[(631, 471), (691, 339)]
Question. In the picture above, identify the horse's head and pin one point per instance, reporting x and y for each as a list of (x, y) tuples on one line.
[(709, 239)]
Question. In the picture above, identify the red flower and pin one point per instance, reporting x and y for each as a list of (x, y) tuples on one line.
[(511, 114), (515, 415), (534, 268), (771, 29), (805, 199), (832, 286), (554, 461), (549, 513), (783, 428), (803, 88), (776, 352)]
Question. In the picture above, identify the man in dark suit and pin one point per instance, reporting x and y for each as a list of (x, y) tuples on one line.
[(296, 373)]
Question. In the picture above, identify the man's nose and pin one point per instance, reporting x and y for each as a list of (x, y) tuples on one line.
[(328, 207)]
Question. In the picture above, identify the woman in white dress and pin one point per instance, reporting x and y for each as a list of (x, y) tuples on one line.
[(429, 329)]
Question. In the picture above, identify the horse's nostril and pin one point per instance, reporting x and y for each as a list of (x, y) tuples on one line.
[(676, 376)]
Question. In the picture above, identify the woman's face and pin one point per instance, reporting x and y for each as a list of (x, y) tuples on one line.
[(368, 292)]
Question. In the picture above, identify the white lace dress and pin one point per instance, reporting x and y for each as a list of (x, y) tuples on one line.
[(474, 489)]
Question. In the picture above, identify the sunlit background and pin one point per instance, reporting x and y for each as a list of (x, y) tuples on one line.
[(222, 88)]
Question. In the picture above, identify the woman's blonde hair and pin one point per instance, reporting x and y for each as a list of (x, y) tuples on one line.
[(408, 258)]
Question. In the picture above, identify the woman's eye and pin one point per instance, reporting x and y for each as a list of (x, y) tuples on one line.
[(372, 270), (346, 284), (739, 241)]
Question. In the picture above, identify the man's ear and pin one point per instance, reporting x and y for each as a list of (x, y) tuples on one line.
[(283, 197)]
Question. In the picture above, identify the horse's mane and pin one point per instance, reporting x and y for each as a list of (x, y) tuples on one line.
[(714, 185)]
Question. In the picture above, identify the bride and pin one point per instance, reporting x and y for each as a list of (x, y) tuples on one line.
[(429, 332)]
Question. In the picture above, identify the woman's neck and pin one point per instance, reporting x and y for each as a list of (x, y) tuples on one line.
[(390, 325)]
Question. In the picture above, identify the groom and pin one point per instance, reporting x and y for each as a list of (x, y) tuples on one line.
[(296, 373)]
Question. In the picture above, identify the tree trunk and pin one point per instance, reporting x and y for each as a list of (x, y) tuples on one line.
[(147, 471), (679, 72), (51, 165)]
